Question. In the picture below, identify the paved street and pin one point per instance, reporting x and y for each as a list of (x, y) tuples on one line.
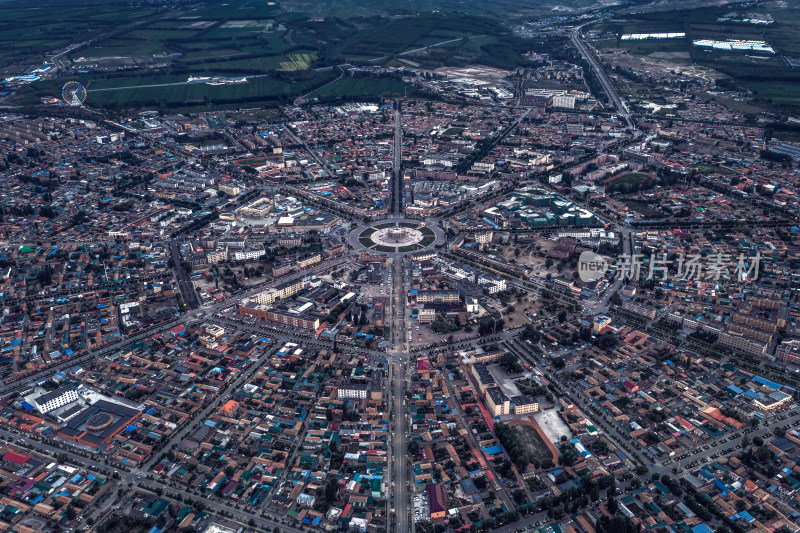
[(187, 289), (398, 475), (97, 352), (476, 445), (401, 362), (400, 472), (575, 35), (397, 156), (138, 477)]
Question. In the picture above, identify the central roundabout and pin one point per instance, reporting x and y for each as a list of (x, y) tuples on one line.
[(399, 236)]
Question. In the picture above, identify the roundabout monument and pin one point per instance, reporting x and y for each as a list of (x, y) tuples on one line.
[(397, 236), (400, 236)]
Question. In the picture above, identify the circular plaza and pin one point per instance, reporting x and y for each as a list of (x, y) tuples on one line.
[(399, 236)]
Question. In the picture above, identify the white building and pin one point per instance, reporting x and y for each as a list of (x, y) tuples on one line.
[(484, 237), (259, 208), (437, 160), (493, 285), (53, 400), (426, 316), (348, 391), (249, 255), (567, 102), (482, 167)]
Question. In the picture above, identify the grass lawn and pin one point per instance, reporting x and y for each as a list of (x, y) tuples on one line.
[(643, 209), (629, 179), (300, 60), (776, 92), (262, 91), (707, 169), (29, 30), (409, 248), (363, 87), (250, 162), (775, 85)]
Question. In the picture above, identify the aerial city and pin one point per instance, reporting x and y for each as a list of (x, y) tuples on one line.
[(422, 266)]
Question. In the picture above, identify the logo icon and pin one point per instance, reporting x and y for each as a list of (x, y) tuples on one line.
[(591, 266)]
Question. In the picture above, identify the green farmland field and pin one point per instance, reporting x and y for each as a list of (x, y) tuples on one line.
[(290, 62), (365, 87), (29, 30), (256, 90), (265, 90), (629, 179)]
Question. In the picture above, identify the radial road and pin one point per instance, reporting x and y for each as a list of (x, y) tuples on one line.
[(575, 35)]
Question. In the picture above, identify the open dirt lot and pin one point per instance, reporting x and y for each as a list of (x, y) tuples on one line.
[(425, 335), (665, 62), (532, 255), (529, 438), (552, 424)]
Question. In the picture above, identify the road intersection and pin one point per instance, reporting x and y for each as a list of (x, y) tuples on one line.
[(399, 484)]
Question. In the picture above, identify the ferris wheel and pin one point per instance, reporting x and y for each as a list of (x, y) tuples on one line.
[(73, 93)]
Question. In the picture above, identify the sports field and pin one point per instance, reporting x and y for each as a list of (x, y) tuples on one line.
[(628, 181)]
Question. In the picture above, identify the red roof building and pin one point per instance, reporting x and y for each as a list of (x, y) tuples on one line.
[(16, 458)]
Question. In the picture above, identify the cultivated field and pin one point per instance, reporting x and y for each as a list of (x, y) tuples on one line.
[(125, 49), (775, 83), (30, 30)]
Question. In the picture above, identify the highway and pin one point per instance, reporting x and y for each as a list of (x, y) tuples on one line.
[(575, 35), (397, 156), (387, 391), (399, 364), (187, 288), (399, 488), (434, 45), (397, 306), (594, 307)]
